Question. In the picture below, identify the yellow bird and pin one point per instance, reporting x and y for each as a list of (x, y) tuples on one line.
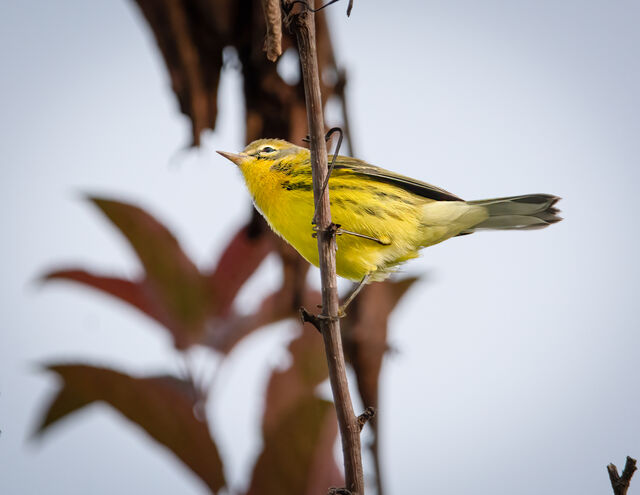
[(384, 218)]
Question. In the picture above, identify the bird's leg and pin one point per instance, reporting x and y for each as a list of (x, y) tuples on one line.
[(353, 294), (384, 242), (340, 231)]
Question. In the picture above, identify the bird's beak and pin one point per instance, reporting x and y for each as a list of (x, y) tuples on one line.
[(234, 157)]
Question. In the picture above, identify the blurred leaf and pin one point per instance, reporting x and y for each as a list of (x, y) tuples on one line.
[(175, 284), (162, 405), (126, 290), (172, 290), (139, 294), (364, 335), (239, 260), (275, 307), (191, 36), (297, 458), (365, 332), (281, 304), (299, 429)]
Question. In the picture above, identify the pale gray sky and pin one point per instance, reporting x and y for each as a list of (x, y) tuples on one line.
[(518, 358)]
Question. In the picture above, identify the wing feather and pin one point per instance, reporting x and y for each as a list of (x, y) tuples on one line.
[(358, 167)]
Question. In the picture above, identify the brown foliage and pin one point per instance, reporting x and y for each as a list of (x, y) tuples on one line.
[(191, 35), (171, 289), (162, 405), (299, 429)]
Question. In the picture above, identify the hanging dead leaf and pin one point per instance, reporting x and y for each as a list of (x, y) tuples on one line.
[(191, 36)]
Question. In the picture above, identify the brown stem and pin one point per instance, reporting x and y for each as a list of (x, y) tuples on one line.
[(303, 26), (619, 483)]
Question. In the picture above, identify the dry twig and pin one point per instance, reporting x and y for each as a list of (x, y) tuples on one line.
[(303, 26), (619, 483)]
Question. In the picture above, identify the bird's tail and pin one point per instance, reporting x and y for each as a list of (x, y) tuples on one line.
[(529, 211)]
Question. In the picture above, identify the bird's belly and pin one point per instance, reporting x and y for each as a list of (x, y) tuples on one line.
[(395, 228), (354, 258)]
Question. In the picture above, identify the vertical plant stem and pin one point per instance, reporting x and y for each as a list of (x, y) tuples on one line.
[(304, 29)]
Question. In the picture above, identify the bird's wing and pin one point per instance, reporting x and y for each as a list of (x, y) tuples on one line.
[(358, 167)]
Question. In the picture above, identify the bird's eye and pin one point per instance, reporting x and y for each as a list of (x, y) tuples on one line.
[(267, 149)]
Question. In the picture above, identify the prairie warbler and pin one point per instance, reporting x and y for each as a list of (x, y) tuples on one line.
[(385, 218)]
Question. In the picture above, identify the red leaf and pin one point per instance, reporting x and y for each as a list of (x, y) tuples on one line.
[(125, 290), (162, 405), (172, 290), (175, 283), (365, 332), (227, 332), (364, 335), (299, 429), (240, 259)]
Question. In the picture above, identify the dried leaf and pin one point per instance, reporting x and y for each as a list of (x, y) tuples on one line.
[(273, 21), (191, 43), (162, 405), (299, 429)]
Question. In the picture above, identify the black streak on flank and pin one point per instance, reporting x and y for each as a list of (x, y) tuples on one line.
[(393, 215), (296, 186), (374, 212)]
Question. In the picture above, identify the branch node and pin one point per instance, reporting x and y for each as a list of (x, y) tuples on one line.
[(330, 232), (368, 414), (307, 317), (324, 317)]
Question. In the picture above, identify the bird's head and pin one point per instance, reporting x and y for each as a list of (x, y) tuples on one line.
[(264, 152)]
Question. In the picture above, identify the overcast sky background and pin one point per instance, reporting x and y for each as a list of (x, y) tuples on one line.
[(519, 353)]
